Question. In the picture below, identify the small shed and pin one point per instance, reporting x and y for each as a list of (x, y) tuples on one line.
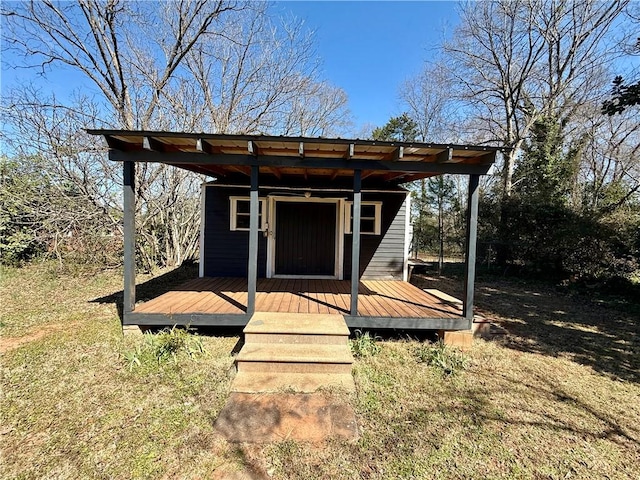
[(307, 225)]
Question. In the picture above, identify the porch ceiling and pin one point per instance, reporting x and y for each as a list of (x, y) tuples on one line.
[(295, 158)]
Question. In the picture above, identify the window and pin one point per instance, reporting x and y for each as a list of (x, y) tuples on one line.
[(370, 218), (240, 213)]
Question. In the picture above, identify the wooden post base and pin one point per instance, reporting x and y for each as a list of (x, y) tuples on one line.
[(458, 338)]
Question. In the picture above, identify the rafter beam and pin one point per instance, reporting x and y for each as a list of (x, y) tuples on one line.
[(488, 158), (242, 169), (445, 156), (275, 171), (210, 170), (367, 174), (153, 145), (116, 143), (417, 176), (397, 154), (178, 158), (392, 176)]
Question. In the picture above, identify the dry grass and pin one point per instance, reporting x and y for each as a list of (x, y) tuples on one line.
[(556, 398)]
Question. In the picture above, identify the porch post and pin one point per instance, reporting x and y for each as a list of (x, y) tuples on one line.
[(470, 256), (252, 271), (129, 232), (355, 249)]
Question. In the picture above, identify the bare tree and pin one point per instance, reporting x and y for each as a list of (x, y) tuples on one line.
[(514, 61), (220, 65), (493, 54), (427, 99), (262, 78)]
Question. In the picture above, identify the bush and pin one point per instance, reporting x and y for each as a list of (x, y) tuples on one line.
[(554, 241)]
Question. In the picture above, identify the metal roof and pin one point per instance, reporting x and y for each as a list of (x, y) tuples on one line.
[(221, 155)]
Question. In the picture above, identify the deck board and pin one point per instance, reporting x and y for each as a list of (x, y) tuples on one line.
[(377, 298)]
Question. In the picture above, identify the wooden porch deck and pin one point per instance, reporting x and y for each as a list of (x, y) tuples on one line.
[(228, 296)]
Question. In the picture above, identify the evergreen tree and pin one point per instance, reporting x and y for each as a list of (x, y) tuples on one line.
[(397, 129)]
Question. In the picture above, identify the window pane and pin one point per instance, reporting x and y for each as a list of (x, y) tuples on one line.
[(242, 206), (368, 211), (367, 226), (242, 221)]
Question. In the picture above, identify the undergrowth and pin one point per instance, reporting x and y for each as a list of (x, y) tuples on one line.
[(450, 361), (364, 345), (163, 347)]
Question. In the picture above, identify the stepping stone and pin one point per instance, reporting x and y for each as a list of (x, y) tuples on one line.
[(274, 417)]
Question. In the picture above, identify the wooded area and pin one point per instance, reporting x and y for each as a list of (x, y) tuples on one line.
[(536, 76)]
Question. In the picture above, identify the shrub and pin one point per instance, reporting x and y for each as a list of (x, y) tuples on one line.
[(364, 345)]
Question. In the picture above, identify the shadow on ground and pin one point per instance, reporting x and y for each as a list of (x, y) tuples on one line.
[(154, 287), (542, 319)]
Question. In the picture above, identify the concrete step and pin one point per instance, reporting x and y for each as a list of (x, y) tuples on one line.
[(269, 352), (288, 338), (300, 358), (259, 382), (296, 324)]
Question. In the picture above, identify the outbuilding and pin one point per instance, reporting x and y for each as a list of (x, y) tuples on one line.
[(301, 225)]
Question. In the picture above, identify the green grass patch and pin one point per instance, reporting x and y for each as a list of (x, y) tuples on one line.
[(168, 345), (446, 359), (554, 398), (364, 344)]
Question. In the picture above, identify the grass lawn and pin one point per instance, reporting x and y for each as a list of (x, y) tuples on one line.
[(558, 396)]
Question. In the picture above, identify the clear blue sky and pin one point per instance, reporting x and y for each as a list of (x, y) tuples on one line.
[(369, 48)]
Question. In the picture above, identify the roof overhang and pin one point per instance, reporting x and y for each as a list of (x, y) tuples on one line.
[(221, 156)]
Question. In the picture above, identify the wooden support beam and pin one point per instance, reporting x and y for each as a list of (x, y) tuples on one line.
[(417, 176), (153, 145), (210, 170), (355, 248), (241, 168), (470, 255), (116, 143), (488, 158), (252, 268), (445, 156), (129, 231), (367, 174), (275, 171), (203, 146), (351, 150), (393, 175), (397, 154), (177, 158), (334, 175)]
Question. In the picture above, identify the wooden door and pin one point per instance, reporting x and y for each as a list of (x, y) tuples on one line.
[(305, 242)]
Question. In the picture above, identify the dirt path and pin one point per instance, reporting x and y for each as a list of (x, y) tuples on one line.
[(8, 344)]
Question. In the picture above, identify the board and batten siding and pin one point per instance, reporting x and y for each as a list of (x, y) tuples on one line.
[(225, 252)]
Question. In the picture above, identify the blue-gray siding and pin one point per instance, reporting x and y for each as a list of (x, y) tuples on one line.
[(382, 256), (226, 252)]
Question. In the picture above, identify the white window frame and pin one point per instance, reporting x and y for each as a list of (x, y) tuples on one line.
[(348, 217), (233, 214)]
